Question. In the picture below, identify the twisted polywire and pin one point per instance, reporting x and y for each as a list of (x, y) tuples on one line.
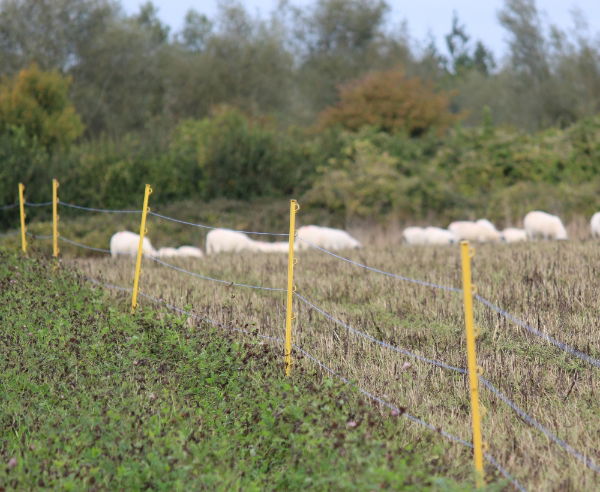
[(383, 272), (528, 418), (103, 210), (8, 207), (38, 236), (412, 418), (40, 204), (204, 277), (204, 226), (84, 246), (534, 423), (531, 329), (182, 311), (379, 342)]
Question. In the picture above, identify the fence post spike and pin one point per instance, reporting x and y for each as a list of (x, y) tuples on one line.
[(22, 216), (294, 207), (55, 249), (138, 262), (473, 369)]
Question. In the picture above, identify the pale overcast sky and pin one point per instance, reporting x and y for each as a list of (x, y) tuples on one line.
[(424, 17)]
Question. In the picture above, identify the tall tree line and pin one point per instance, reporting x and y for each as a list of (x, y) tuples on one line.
[(130, 73)]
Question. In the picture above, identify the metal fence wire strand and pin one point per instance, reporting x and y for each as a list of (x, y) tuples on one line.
[(9, 207), (524, 415), (40, 204), (563, 346), (378, 342), (382, 272), (102, 210), (84, 246), (38, 236), (204, 226), (412, 418), (204, 277)]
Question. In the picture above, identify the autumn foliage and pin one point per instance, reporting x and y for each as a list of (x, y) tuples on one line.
[(391, 102), (38, 102)]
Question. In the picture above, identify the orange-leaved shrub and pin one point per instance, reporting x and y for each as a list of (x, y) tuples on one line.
[(391, 102)]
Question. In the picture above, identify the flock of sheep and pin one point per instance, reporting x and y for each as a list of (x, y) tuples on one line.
[(225, 240), (537, 225)]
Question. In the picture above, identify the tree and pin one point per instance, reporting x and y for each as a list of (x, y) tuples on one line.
[(391, 102), (38, 102)]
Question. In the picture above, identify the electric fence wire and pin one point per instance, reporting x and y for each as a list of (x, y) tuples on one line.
[(373, 397), (102, 210), (531, 329), (204, 226), (84, 246), (9, 207), (40, 204), (524, 415), (204, 277), (38, 236), (382, 272)]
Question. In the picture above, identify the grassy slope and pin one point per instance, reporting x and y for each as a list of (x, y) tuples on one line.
[(95, 398)]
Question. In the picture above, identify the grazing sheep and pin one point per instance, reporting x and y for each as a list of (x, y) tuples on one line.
[(222, 240), (126, 243), (326, 238), (414, 235), (513, 235), (487, 223), (473, 231), (437, 235), (595, 225), (276, 247), (189, 252), (543, 225), (167, 253)]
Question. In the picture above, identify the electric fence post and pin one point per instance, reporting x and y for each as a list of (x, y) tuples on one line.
[(55, 250), (294, 207), (22, 214), (466, 254), (138, 262)]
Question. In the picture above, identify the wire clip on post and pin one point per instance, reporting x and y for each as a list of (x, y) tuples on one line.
[(466, 254), (294, 207), (55, 250), (138, 262), (22, 214)]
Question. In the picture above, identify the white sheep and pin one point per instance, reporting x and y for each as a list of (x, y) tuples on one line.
[(437, 235), (326, 238), (275, 247), (514, 235), (223, 240), (189, 252), (126, 243), (543, 225), (473, 231), (487, 223), (595, 225), (167, 253), (414, 235)]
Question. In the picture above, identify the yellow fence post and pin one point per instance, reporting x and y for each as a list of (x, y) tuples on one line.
[(55, 218), (466, 254), (294, 207), (22, 210), (138, 262)]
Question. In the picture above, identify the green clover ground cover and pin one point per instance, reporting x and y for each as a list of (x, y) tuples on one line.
[(95, 399)]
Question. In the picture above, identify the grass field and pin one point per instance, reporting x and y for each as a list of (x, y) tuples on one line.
[(96, 399), (553, 286)]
